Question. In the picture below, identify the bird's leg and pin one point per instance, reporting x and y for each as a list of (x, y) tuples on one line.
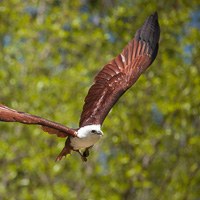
[(86, 152), (83, 158)]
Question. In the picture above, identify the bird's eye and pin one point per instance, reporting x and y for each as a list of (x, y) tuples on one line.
[(93, 131)]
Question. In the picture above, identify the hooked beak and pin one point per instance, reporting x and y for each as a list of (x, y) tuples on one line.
[(99, 133)]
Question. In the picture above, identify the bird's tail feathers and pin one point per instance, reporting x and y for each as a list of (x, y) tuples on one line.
[(66, 150)]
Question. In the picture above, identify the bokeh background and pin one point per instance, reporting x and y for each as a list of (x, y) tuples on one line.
[(50, 51)]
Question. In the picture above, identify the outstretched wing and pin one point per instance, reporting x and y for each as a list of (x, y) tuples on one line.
[(121, 73), (10, 115)]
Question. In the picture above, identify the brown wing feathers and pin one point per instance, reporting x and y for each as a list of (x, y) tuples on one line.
[(10, 115), (110, 83), (121, 73)]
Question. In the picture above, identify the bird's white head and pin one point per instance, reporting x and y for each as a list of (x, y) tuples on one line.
[(90, 130)]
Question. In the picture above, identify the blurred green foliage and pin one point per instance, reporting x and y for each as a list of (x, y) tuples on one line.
[(50, 51)]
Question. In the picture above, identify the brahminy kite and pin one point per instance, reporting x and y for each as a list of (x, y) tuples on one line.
[(109, 85)]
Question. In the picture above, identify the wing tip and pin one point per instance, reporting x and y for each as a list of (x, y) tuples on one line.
[(150, 34), (155, 15), (150, 30)]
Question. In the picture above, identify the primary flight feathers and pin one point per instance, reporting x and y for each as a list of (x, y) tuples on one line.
[(109, 85)]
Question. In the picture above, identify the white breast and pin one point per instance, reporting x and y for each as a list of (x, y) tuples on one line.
[(82, 143), (85, 137)]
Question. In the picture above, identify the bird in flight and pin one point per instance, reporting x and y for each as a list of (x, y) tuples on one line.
[(109, 85)]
